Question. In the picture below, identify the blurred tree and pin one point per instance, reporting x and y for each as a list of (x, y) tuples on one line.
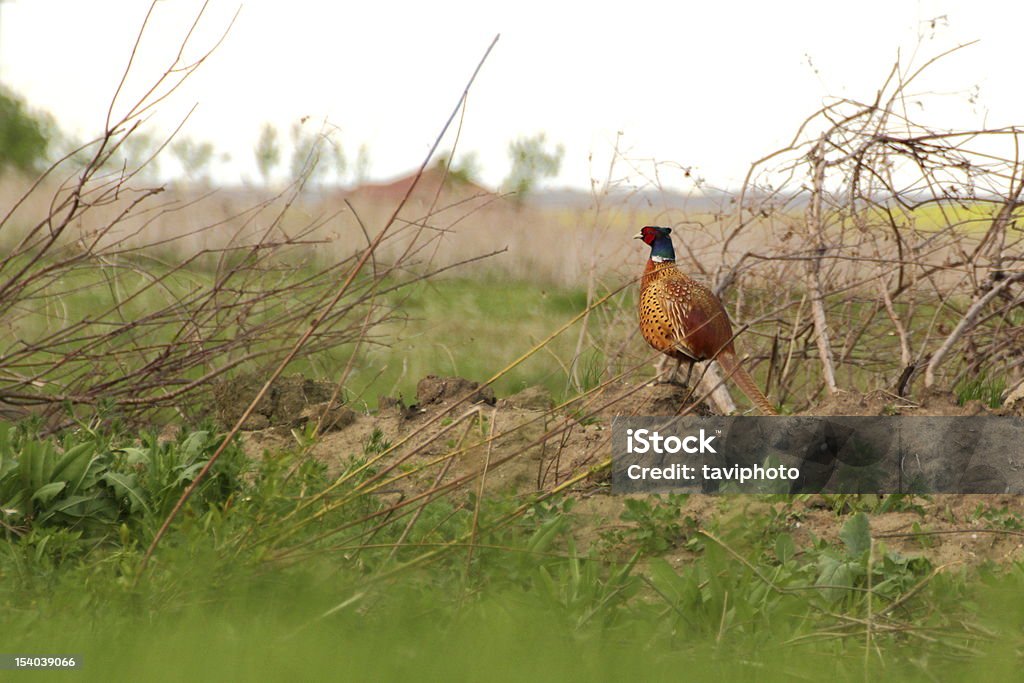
[(531, 162), (141, 151), (361, 172), (194, 157), (24, 137), (268, 152), (465, 170), (317, 155)]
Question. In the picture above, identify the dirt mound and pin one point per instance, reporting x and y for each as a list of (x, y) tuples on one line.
[(646, 399), (932, 403), (530, 398), (290, 401), (455, 430), (433, 389), (519, 445)]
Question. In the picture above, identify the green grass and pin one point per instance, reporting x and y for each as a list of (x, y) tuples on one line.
[(969, 217), (473, 329), (238, 590), (506, 637), (982, 388)]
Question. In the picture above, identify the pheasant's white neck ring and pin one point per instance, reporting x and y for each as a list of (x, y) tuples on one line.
[(662, 259)]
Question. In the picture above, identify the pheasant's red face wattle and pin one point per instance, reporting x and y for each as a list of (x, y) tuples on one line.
[(650, 233)]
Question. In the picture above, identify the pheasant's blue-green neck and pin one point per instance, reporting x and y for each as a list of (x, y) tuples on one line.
[(662, 249)]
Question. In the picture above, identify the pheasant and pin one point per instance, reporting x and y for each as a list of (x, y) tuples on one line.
[(683, 319)]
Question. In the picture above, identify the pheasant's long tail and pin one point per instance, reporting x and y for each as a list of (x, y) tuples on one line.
[(731, 365)]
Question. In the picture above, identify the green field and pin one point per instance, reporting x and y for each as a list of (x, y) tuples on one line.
[(473, 329), (353, 562), (255, 583)]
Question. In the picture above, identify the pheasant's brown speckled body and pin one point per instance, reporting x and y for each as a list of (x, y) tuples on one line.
[(684, 320), (681, 317)]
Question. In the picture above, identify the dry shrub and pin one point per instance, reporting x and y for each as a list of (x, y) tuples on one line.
[(889, 249), (117, 295), (872, 251)]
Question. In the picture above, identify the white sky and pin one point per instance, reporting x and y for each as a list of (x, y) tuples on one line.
[(714, 85)]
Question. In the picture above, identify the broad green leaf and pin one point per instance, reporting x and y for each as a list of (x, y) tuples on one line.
[(856, 534), (548, 583), (667, 579), (41, 547), (90, 475), (189, 473), (194, 444), (126, 486), (44, 494), (93, 507), (135, 456), (73, 463), (31, 465), (785, 549), (835, 577), (8, 463), (543, 537)]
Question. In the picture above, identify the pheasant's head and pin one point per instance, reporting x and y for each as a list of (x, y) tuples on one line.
[(659, 241)]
